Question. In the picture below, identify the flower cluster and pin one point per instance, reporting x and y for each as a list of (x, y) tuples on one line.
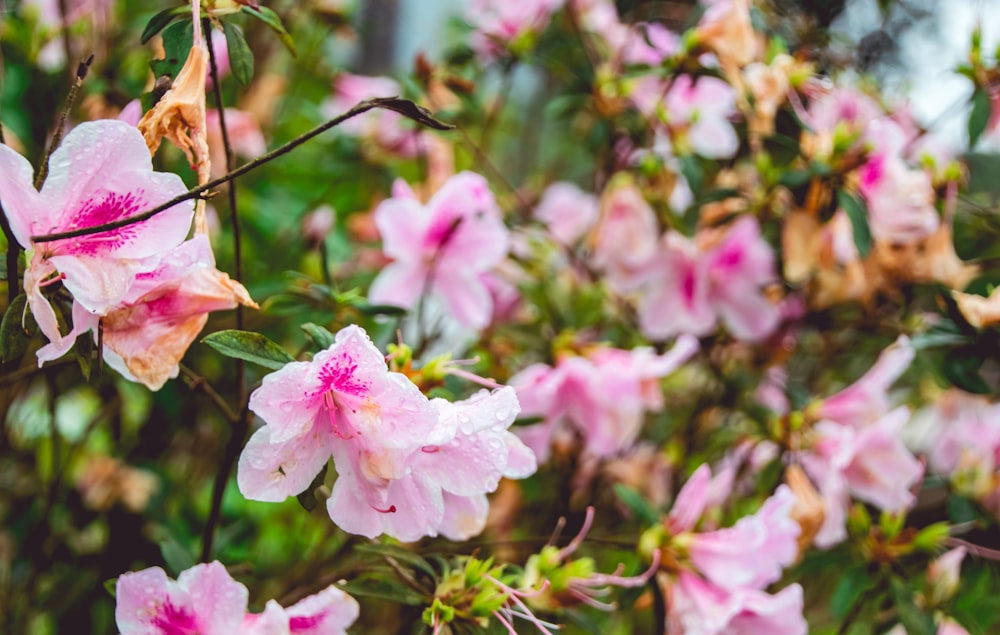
[(206, 600), (407, 466), (148, 287), (716, 579), (602, 396)]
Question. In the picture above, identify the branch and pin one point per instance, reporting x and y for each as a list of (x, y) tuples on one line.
[(74, 90), (404, 107)]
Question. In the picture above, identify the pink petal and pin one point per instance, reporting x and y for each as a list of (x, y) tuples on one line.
[(329, 612), (21, 202), (272, 472), (466, 298), (464, 516), (218, 601), (399, 284), (134, 594), (690, 501), (402, 222)]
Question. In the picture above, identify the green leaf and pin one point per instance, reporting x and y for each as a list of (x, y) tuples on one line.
[(961, 367), (111, 586), (319, 335), (273, 21), (159, 21), (913, 619), (14, 337), (178, 38), (979, 116), (856, 211), (850, 589), (240, 55), (175, 555), (386, 590), (378, 309), (641, 507), (404, 556), (249, 346)]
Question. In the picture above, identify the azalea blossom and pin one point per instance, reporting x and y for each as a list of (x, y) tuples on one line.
[(146, 336), (603, 397), (691, 289), (698, 607), (869, 463), (567, 211), (206, 600), (625, 238), (498, 23), (406, 466), (442, 248), (101, 172), (719, 588), (867, 399), (445, 486), (900, 200)]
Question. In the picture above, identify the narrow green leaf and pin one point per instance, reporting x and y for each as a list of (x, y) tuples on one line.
[(273, 21), (850, 590), (413, 560), (319, 335), (252, 347), (642, 508), (111, 586), (386, 590), (961, 367), (175, 555), (979, 116), (913, 619), (159, 21), (378, 309), (856, 211), (240, 55), (13, 337)]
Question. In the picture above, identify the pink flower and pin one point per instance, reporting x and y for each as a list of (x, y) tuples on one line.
[(697, 110), (698, 607), (329, 612), (689, 290), (498, 23), (843, 106), (568, 211), (444, 490), (869, 463), (345, 397), (753, 552), (900, 200), (867, 399), (442, 248), (965, 442), (205, 600), (625, 240), (602, 397), (406, 466), (385, 128), (102, 172), (146, 336)]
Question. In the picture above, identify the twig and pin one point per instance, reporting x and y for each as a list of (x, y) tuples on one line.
[(659, 605), (404, 107), (197, 382), (81, 73), (978, 551), (28, 371), (237, 437)]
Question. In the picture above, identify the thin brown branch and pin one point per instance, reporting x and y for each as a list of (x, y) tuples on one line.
[(197, 382), (74, 90), (404, 107)]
